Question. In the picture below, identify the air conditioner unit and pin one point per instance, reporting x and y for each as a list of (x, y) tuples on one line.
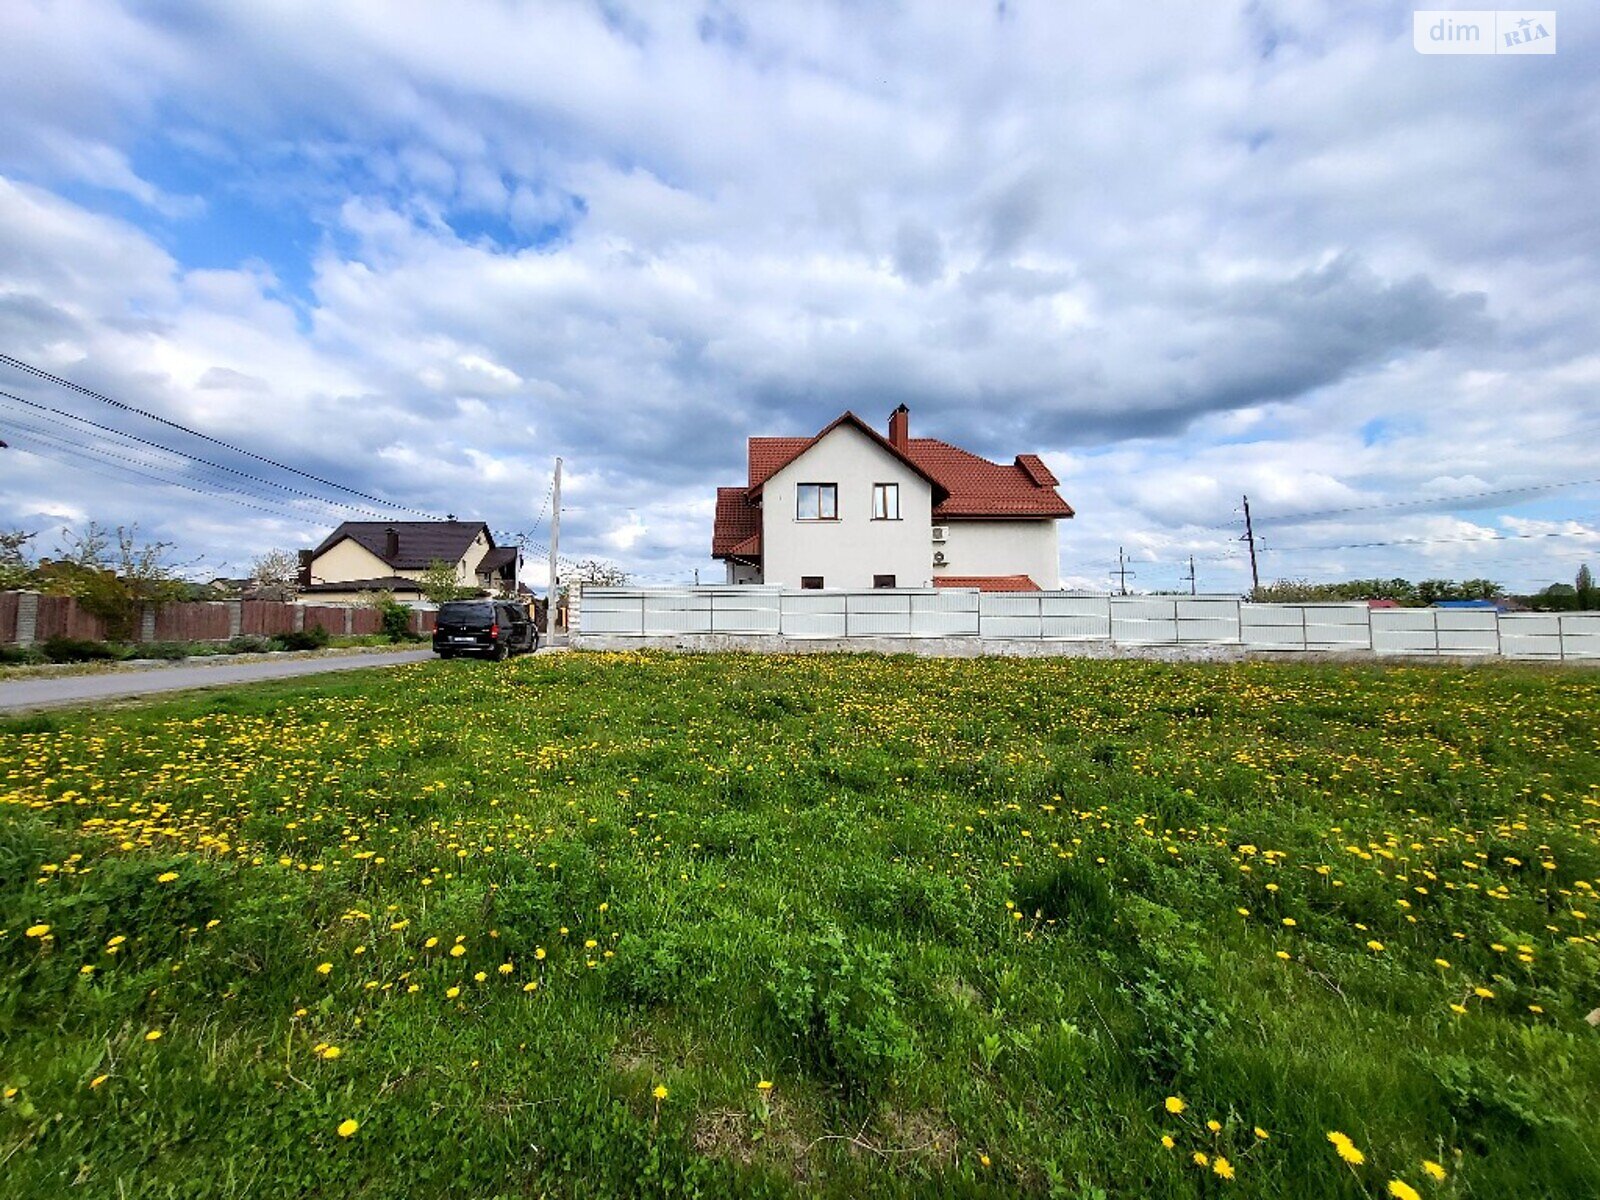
[(938, 558), (939, 532)]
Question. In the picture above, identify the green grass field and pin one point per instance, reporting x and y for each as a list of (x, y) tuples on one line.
[(593, 925)]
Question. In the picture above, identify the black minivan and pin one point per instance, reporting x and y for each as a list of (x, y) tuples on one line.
[(491, 628)]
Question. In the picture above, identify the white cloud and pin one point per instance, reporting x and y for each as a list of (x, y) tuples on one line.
[(1187, 257)]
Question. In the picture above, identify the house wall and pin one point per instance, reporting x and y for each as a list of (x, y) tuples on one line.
[(347, 559), (850, 551), (744, 572), (1029, 548), (351, 560)]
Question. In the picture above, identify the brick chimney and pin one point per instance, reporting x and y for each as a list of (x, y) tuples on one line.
[(391, 544), (900, 428)]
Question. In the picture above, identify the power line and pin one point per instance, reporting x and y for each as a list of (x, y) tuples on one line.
[(43, 411), (1498, 537), (40, 373), (1436, 500)]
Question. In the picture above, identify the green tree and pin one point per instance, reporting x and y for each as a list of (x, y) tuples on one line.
[(1588, 597), (16, 568), (439, 583), (113, 575)]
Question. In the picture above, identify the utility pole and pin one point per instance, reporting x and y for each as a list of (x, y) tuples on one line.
[(1191, 575), (1250, 536), (555, 546), (1122, 571)]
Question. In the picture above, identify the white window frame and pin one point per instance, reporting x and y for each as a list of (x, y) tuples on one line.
[(885, 511), (818, 491)]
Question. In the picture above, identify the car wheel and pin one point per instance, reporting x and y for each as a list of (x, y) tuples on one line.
[(501, 653)]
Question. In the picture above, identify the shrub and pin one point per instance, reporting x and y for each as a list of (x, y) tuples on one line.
[(20, 656), (167, 651), (249, 643), (314, 638), (66, 650), (396, 621)]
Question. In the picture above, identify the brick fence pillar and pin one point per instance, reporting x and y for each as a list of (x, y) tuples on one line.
[(235, 618), (349, 620), (147, 623), (27, 618), (299, 621)]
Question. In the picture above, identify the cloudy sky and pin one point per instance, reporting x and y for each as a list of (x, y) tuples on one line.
[(1185, 252)]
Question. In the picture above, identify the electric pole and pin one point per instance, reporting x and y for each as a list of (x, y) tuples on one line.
[(555, 546), (1122, 571), (1250, 536), (1191, 575)]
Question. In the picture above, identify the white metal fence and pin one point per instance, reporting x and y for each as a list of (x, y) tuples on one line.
[(1067, 616)]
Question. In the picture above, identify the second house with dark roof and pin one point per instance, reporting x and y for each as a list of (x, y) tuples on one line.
[(392, 556), (851, 508)]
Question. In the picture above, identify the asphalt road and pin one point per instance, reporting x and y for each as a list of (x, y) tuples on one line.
[(25, 694)]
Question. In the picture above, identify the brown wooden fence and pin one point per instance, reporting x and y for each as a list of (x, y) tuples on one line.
[(191, 621)]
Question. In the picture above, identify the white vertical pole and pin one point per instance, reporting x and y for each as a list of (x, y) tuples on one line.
[(555, 546)]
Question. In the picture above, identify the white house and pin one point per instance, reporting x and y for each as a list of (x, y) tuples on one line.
[(850, 508)]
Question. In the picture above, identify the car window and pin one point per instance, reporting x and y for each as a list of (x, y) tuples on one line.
[(459, 611)]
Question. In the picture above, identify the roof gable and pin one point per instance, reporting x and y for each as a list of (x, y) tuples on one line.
[(421, 542), (774, 458)]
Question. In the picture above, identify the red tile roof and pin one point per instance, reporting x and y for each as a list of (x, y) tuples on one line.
[(736, 530), (988, 583), (964, 485), (977, 487)]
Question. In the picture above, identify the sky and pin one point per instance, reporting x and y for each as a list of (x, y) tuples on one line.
[(1185, 252)]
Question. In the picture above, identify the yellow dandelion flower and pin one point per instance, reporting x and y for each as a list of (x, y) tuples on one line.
[(1442, 963), (660, 1092), (86, 969), (531, 986), (450, 993), (331, 1052), (538, 953), (1200, 1159), (505, 968), (348, 1127), (764, 1085), (430, 943), (1262, 1133), (1375, 946), (1433, 1170), (1166, 1140), (984, 1159), (457, 950), (1347, 1149), (324, 968), (1401, 1190), (166, 877), (1483, 993), (98, 1080), (153, 1036), (1222, 1167), (480, 977), (36, 931), (1459, 1009), (1290, 922), (1214, 1125), (1175, 1105), (1283, 954)]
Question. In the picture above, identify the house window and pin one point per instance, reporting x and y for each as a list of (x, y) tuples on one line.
[(811, 583), (883, 581), (817, 502), (886, 502)]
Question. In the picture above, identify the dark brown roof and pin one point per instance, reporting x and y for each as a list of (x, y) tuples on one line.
[(421, 542), (500, 556)]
